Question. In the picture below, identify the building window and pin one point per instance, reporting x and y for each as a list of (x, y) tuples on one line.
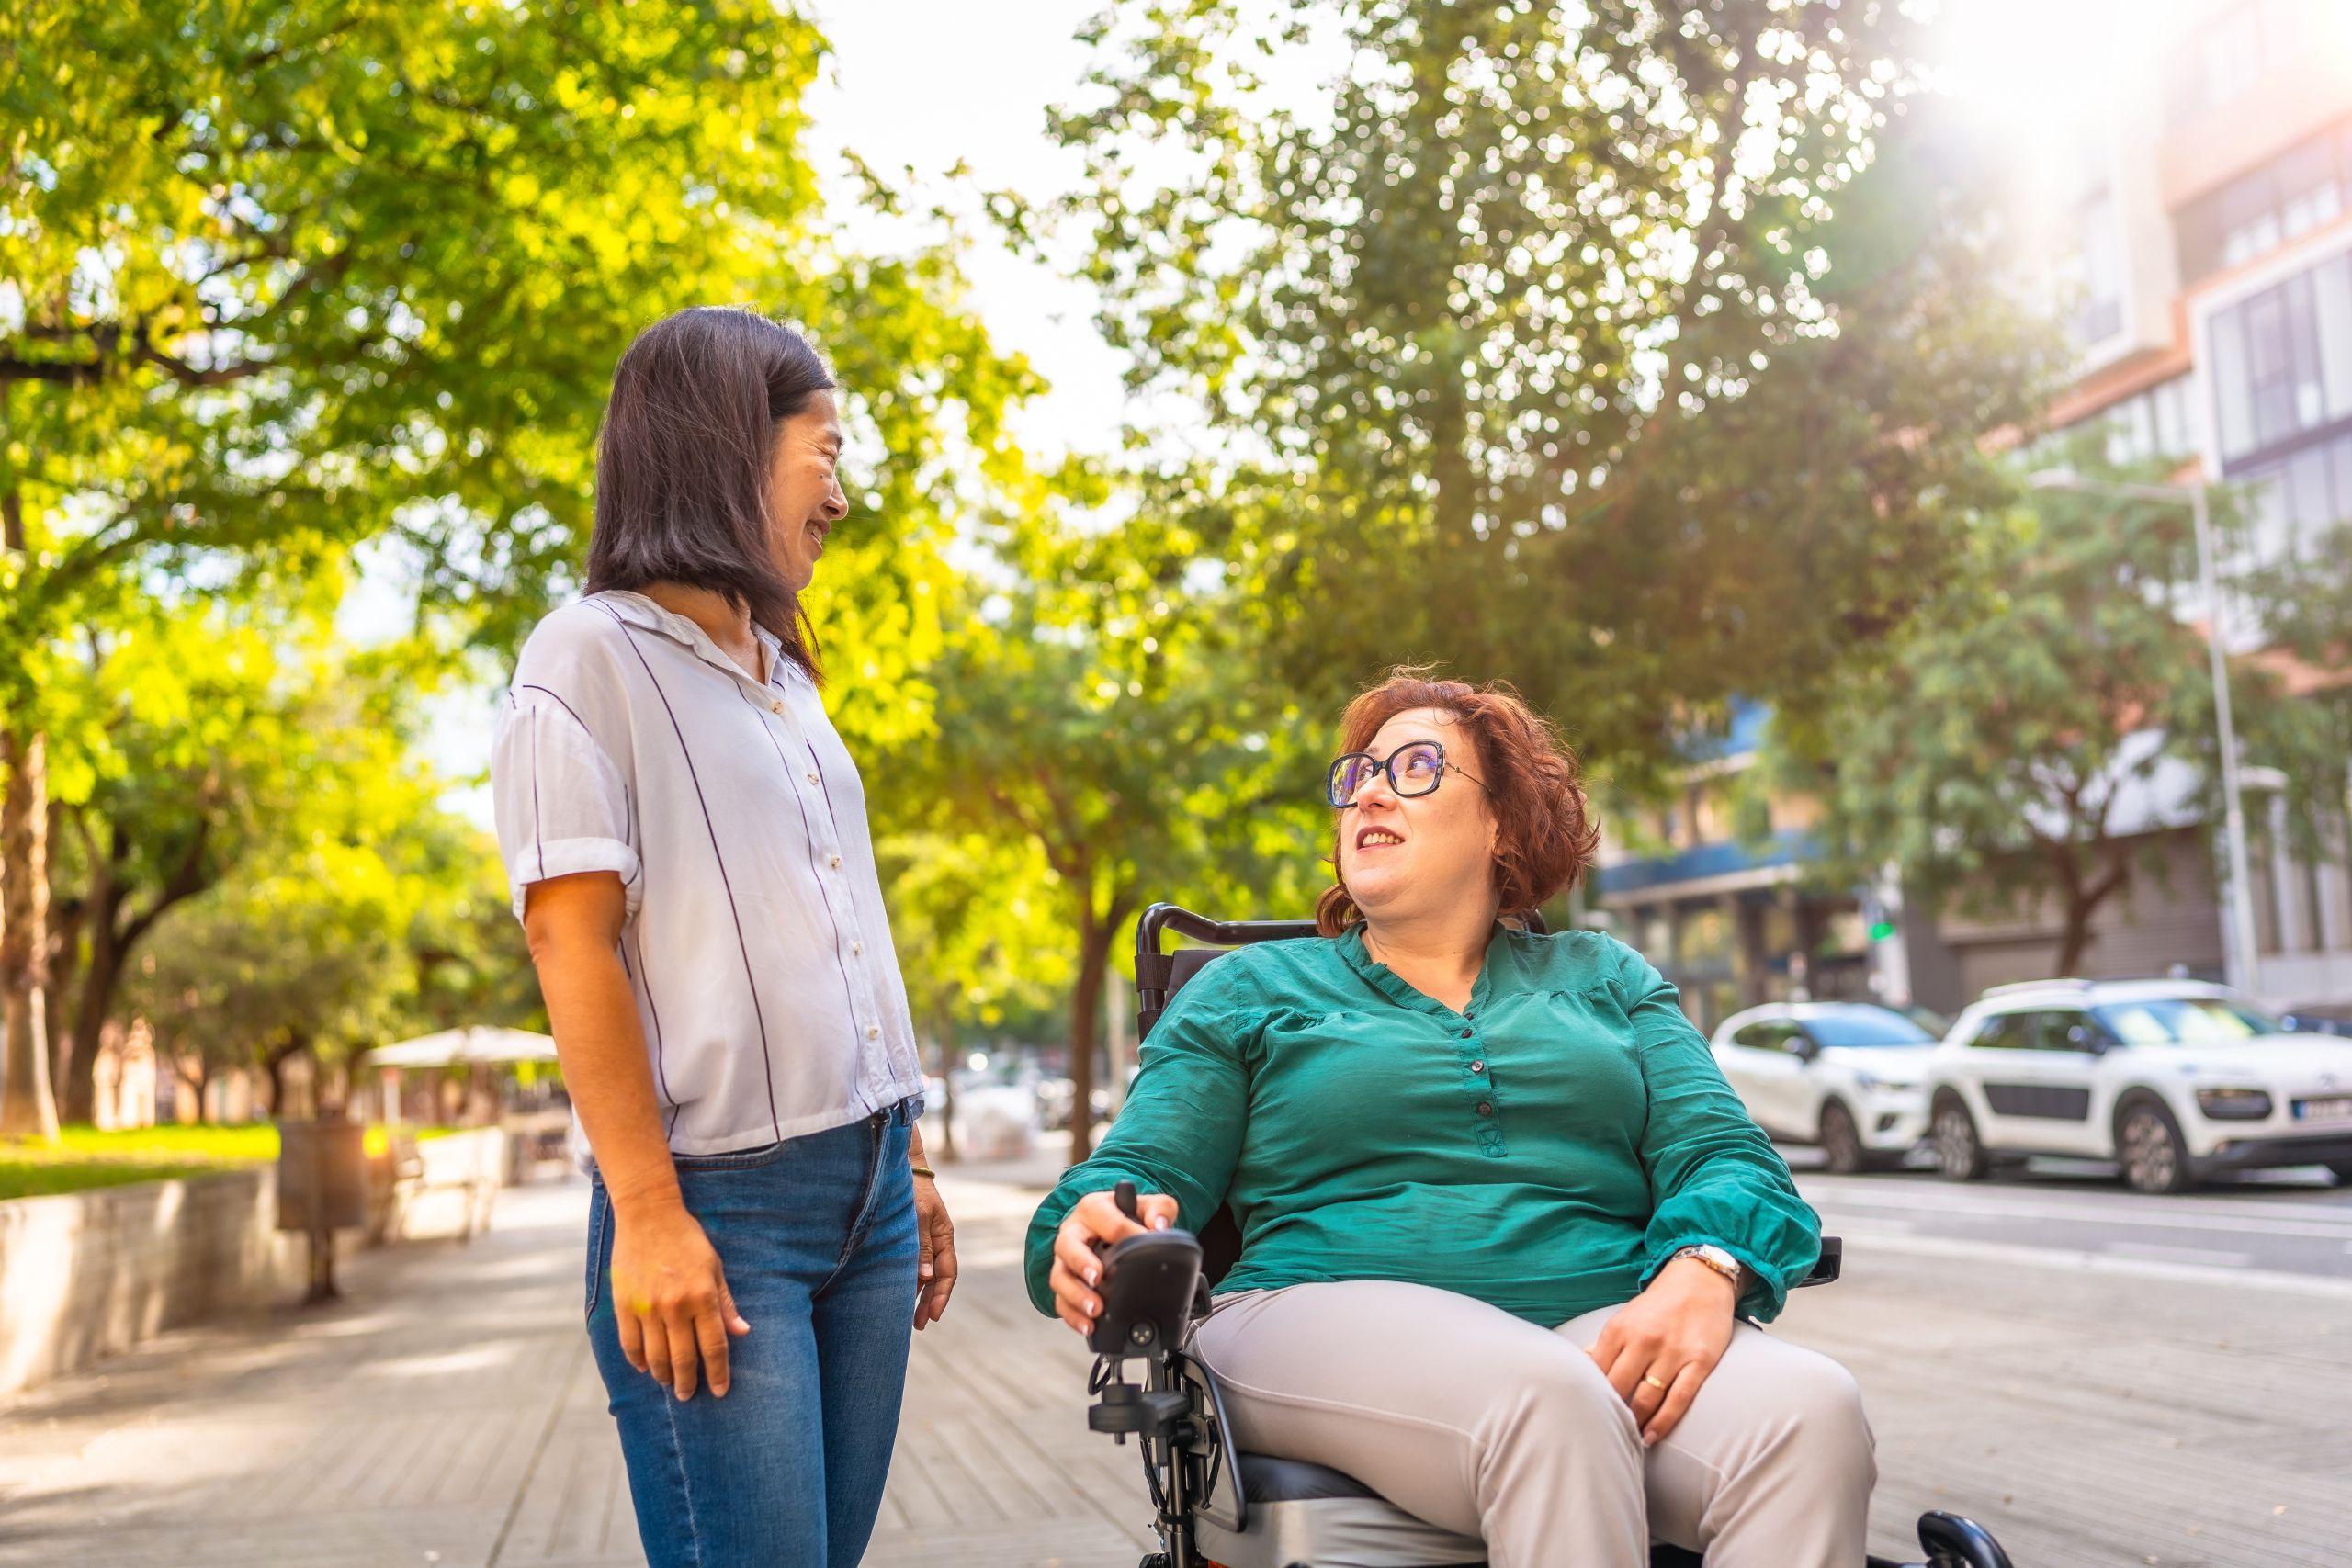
[(2281, 364), (2216, 65), (2303, 188), (2158, 423), (2298, 500), (2098, 241)]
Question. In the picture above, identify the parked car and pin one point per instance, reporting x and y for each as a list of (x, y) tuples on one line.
[(2175, 1079), (1843, 1075), (2324, 1017)]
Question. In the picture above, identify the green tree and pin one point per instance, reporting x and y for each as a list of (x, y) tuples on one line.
[(1572, 343), (972, 916), (276, 279), (1106, 713), (337, 931), (1990, 751)]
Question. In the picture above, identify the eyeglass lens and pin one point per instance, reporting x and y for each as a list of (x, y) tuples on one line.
[(1414, 770)]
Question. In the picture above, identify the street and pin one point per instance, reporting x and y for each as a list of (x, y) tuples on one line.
[(2287, 1223), (2101, 1378)]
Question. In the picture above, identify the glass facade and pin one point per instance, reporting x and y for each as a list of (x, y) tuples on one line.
[(2281, 366), (2294, 193), (2158, 423)]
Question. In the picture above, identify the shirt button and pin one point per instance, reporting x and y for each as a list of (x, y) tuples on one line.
[(1477, 1066), (835, 862), (873, 1031), (812, 778), (1467, 1033), (857, 948), (1485, 1108), (776, 705)]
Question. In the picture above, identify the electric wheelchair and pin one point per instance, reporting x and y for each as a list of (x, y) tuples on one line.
[(1220, 1508)]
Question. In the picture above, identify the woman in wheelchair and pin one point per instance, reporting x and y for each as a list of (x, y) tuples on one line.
[(1506, 1231)]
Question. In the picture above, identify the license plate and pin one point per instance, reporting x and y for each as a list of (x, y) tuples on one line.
[(2334, 1108)]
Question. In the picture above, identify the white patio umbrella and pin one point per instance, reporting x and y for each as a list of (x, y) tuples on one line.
[(475, 1043)]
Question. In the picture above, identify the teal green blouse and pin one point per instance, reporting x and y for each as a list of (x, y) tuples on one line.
[(1545, 1150)]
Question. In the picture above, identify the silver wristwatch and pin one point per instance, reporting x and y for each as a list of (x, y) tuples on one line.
[(1722, 1262)]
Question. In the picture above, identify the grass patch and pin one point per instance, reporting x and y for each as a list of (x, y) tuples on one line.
[(84, 1157)]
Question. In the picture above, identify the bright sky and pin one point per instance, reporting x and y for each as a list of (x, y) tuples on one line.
[(923, 84)]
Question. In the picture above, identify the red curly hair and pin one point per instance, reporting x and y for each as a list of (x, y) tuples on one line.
[(1545, 834)]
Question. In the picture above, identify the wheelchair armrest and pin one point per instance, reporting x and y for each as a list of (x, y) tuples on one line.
[(1825, 1268)]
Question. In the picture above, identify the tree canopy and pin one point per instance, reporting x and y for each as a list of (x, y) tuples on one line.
[(1571, 344), (2048, 711)]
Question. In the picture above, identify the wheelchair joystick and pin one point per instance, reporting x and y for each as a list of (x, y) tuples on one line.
[(1148, 1284)]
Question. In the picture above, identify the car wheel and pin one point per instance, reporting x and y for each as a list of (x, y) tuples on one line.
[(1841, 1141), (2154, 1154), (1960, 1154)]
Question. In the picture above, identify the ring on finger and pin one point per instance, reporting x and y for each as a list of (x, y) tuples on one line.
[(1651, 1378)]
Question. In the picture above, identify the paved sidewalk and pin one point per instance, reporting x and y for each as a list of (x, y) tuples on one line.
[(447, 1415)]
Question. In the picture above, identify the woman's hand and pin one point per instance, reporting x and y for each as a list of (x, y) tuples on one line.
[(670, 1296), (936, 1253), (1662, 1345), (1078, 1268)]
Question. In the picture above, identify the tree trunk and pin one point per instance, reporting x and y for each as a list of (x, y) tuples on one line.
[(1093, 960), (279, 1055), (2083, 901), (112, 941), (63, 972), (26, 1109), (79, 1090)]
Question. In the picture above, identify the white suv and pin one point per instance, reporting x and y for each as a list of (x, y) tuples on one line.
[(2173, 1078), (1843, 1075)]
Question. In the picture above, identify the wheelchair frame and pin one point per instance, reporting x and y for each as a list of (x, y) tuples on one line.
[(1155, 1284)]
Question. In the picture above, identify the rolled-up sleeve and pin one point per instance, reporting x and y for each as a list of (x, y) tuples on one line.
[(560, 804), (1714, 1176)]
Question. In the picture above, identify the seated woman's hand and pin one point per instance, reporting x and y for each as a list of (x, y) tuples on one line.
[(1662, 1345), (1078, 1268)]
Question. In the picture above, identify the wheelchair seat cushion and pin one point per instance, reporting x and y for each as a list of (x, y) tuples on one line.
[(1265, 1478), (1302, 1513)]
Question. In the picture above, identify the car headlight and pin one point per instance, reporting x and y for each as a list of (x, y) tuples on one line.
[(1865, 1080), (2234, 1105)]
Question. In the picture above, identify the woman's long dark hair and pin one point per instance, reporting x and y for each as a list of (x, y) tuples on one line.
[(683, 462)]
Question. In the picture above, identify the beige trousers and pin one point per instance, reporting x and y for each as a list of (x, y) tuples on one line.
[(1484, 1424)]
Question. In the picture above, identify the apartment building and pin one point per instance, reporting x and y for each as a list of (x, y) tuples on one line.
[(2203, 232), (2214, 231)]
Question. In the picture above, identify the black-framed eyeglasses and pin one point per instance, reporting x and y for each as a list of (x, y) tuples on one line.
[(1415, 768)]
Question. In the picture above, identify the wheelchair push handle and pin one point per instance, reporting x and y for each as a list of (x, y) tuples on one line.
[(1124, 1195)]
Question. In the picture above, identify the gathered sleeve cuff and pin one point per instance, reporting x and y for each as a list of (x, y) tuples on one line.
[(1714, 1176)]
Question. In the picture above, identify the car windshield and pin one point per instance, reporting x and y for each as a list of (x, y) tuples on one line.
[(2183, 1021), (1866, 1026)]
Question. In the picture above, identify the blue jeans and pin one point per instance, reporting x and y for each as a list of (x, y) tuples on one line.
[(817, 1235)]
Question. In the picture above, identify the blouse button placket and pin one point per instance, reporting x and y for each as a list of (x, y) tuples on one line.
[(1485, 1118)]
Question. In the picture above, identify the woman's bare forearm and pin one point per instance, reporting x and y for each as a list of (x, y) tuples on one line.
[(573, 925)]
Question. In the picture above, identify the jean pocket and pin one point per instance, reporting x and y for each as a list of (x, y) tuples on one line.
[(734, 1159), (600, 1224)]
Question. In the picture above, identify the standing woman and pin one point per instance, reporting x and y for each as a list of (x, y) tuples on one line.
[(685, 837)]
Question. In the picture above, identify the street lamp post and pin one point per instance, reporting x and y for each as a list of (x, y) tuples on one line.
[(2232, 806)]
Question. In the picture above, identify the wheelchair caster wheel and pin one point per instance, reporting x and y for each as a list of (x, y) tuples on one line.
[(1157, 1559)]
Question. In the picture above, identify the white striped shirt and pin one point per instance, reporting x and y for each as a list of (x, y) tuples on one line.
[(755, 939)]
